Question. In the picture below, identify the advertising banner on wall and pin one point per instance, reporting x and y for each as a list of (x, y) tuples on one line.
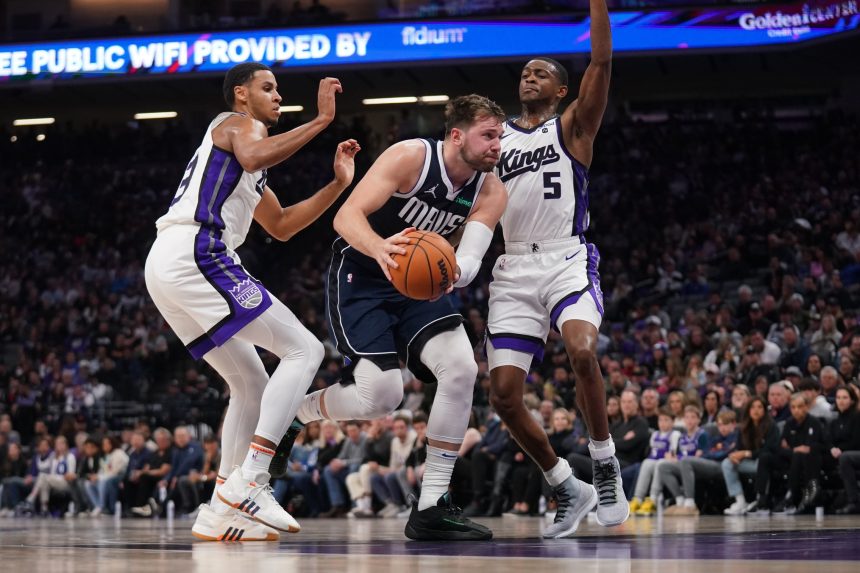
[(390, 43)]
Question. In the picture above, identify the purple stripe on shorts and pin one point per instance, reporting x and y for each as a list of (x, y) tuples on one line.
[(511, 343), (565, 302), (593, 262), (200, 347), (245, 296)]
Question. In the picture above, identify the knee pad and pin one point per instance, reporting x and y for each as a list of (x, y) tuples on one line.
[(380, 392)]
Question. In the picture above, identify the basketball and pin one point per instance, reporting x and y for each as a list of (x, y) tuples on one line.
[(427, 269)]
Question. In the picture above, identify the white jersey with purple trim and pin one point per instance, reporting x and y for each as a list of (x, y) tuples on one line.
[(215, 191), (547, 187)]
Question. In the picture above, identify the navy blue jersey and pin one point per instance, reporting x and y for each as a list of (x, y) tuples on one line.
[(431, 205)]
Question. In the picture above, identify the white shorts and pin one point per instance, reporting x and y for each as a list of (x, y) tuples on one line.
[(537, 286), (201, 288)]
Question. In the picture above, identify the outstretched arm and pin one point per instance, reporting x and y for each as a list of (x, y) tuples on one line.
[(582, 118), (284, 222), (248, 139)]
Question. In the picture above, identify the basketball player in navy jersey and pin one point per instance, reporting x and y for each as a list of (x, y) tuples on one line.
[(220, 312), (548, 275), (441, 186)]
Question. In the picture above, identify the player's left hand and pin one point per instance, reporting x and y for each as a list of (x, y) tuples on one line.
[(344, 162)]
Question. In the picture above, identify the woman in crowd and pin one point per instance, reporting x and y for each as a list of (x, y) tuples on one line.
[(845, 441), (758, 434)]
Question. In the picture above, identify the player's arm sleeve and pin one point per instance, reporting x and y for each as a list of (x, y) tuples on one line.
[(474, 244)]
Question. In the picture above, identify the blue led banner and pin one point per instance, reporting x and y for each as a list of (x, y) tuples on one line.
[(665, 30)]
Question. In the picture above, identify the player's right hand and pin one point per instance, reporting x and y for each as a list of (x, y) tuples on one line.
[(391, 246), (325, 98)]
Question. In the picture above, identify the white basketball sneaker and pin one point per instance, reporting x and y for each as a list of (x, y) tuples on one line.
[(257, 501), (231, 526), (612, 507)]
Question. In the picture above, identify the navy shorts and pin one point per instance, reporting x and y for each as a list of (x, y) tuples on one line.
[(368, 318)]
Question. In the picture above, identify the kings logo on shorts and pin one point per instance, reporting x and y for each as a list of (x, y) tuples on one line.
[(247, 294)]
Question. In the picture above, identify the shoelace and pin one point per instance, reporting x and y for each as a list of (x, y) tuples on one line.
[(604, 481), (563, 498), (265, 490)]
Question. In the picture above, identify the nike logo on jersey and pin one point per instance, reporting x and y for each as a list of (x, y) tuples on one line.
[(570, 256), (416, 213), (516, 162), (504, 136)]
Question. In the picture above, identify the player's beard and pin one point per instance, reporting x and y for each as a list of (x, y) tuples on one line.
[(476, 162)]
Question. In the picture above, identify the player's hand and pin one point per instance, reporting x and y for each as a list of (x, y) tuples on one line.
[(835, 452), (325, 98), (391, 246), (344, 162)]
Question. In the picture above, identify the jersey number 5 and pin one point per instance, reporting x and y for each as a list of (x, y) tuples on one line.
[(549, 183)]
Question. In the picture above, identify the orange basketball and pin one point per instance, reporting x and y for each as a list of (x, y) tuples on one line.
[(427, 269)]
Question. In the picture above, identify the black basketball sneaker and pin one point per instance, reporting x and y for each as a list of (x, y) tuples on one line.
[(278, 465), (444, 521)]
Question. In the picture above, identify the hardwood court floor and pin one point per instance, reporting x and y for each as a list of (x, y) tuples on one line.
[(683, 545)]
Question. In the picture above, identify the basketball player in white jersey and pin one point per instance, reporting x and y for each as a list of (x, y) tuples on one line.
[(548, 275), (220, 312)]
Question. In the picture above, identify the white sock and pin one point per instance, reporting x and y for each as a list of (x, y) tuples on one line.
[(689, 502), (215, 502), (310, 410), (740, 499), (437, 475), (559, 472), (256, 464), (679, 501), (601, 449)]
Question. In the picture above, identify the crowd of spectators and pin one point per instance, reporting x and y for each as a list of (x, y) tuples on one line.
[(730, 265)]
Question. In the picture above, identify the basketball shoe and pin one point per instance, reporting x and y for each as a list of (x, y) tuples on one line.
[(612, 506), (256, 500), (575, 499), (231, 526), (444, 521), (279, 463)]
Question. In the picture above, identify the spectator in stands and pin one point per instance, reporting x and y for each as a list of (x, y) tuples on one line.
[(613, 408), (386, 482), (692, 442), (144, 489), (825, 341), (485, 458), (414, 466), (302, 472), (768, 352), (778, 397), (712, 406), (830, 383), (187, 456), (348, 460), (676, 402), (818, 404), (104, 491), (803, 444), (707, 465), (377, 452), (756, 322), (845, 442), (848, 369), (664, 443), (649, 407), (741, 396), (758, 437), (199, 484), (87, 471), (57, 479), (138, 457), (14, 479), (795, 352)]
